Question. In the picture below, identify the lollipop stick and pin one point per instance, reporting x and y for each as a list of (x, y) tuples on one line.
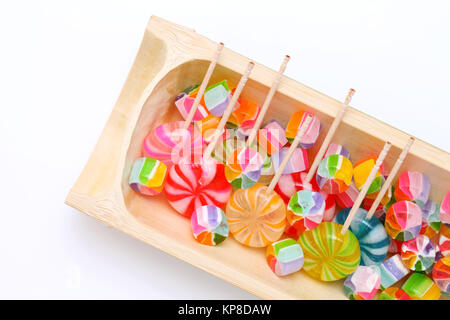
[(268, 100), (366, 186), (228, 110), (329, 135), (290, 152), (390, 178), (202, 88)]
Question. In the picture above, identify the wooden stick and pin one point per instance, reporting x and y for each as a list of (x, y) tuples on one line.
[(390, 178), (326, 142), (228, 110), (366, 186), (202, 88), (268, 100), (290, 152)]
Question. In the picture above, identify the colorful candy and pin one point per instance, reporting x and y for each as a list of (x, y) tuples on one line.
[(284, 257), (217, 97), (190, 186), (383, 206), (441, 275), (334, 174), (244, 168), (395, 246), (421, 287), (363, 284), (305, 210), (297, 163), (403, 220), (185, 100), (208, 125), (372, 237), (412, 186), (170, 143), (391, 270), (245, 115), (347, 198), (334, 148), (209, 225), (431, 221), (329, 255), (271, 138), (444, 241), (312, 132), (445, 210), (222, 151), (256, 218), (147, 176), (418, 254), (361, 171), (393, 293)]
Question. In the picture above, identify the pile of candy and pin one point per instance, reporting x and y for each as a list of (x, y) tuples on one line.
[(229, 173)]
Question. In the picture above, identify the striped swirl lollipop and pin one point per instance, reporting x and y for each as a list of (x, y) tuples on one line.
[(209, 225), (418, 254), (305, 210), (412, 186), (403, 220), (334, 174)]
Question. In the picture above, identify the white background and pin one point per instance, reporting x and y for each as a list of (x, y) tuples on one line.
[(62, 66)]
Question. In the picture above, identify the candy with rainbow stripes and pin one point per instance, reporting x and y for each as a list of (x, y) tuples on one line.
[(297, 163), (284, 257), (329, 255), (418, 254), (217, 97), (147, 176), (441, 275), (243, 167), (391, 270), (421, 287), (185, 100), (445, 210), (412, 186), (393, 293), (312, 132), (361, 171), (334, 174), (271, 138), (363, 284), (209, 225), (403, 220), (305, 210), (334, 148)]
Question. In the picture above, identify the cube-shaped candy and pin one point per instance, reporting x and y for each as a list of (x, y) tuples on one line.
[(147, 176), (421, 287), (271, 138), (217, 97), (391, 271), (297, 163), (312, 132), (185, 100), (208, 126), (245, 115), (209, 225), (363, 284), (284, 257)]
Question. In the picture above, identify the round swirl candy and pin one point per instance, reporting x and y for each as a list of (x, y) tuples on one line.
[(418, 254), (284, 257), (441, 275), (329, 255), (403, 220), (170, 143), (271, 138), (297, 163), (256, 218), (312, 132), (373, 240), (334, 148), (190, 186), (147, 176), (334, 174), (244, 167), (393, 293), (445, 210), (305, 210), (185, 100), (361, 171), (209, 225), (347, 198), (363, 284), (431, 221), (412, 186), (420, 287)]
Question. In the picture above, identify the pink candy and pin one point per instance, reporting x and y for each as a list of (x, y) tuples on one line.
[(297, 163)]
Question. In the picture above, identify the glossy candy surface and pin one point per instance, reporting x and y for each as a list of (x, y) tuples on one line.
[(441, 275), (418, 254), (361, 171), (329, 255), (372, 237), (334, 148), (223, 150), (305, 210), (147, 176), (391, 270), (393, 293), (185, 100), (256, 218), (363, 284), (297, 163), (421, 287), (431, 221), (347, 198), (217, 97), (445, 210), (403, 220), (412, 186), (444, 241), (244, 167), (334, 174), (284, 257), (208, 125), (245, 115), (312, 132), (209, 225), (271, 138)]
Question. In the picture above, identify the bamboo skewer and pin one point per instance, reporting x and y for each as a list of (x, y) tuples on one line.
[(366, 186), (267, 101), (290, 152), (390, 178), (337, 120), (228, 110), (203, 85)]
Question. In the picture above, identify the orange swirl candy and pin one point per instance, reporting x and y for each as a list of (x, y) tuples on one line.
[(256, 218)]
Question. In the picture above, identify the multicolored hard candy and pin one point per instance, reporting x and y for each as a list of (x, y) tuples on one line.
[(297, 163), (334, 174), (441, 275), (312, 132), (271, 138), (305, 210), (361, 171), (421, 287), (431, 221), (363, 284), (418, 254), (444, 241), (223, 150), (284, 257), (244, 167), (217, 97), (412, 186), (383, 206), (329, 254), (403, 220), (391, 270), (393, 293), (170, 143), (267, 171), (445, 210), (395, 246), (347, 198), (245, 115), (334, 148), (208, 127), (147, 176), (185, 100), (256, 217), (190, 186), (372, 237), (209, 225)]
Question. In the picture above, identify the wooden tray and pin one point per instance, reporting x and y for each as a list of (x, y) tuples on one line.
[(171, 58)]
